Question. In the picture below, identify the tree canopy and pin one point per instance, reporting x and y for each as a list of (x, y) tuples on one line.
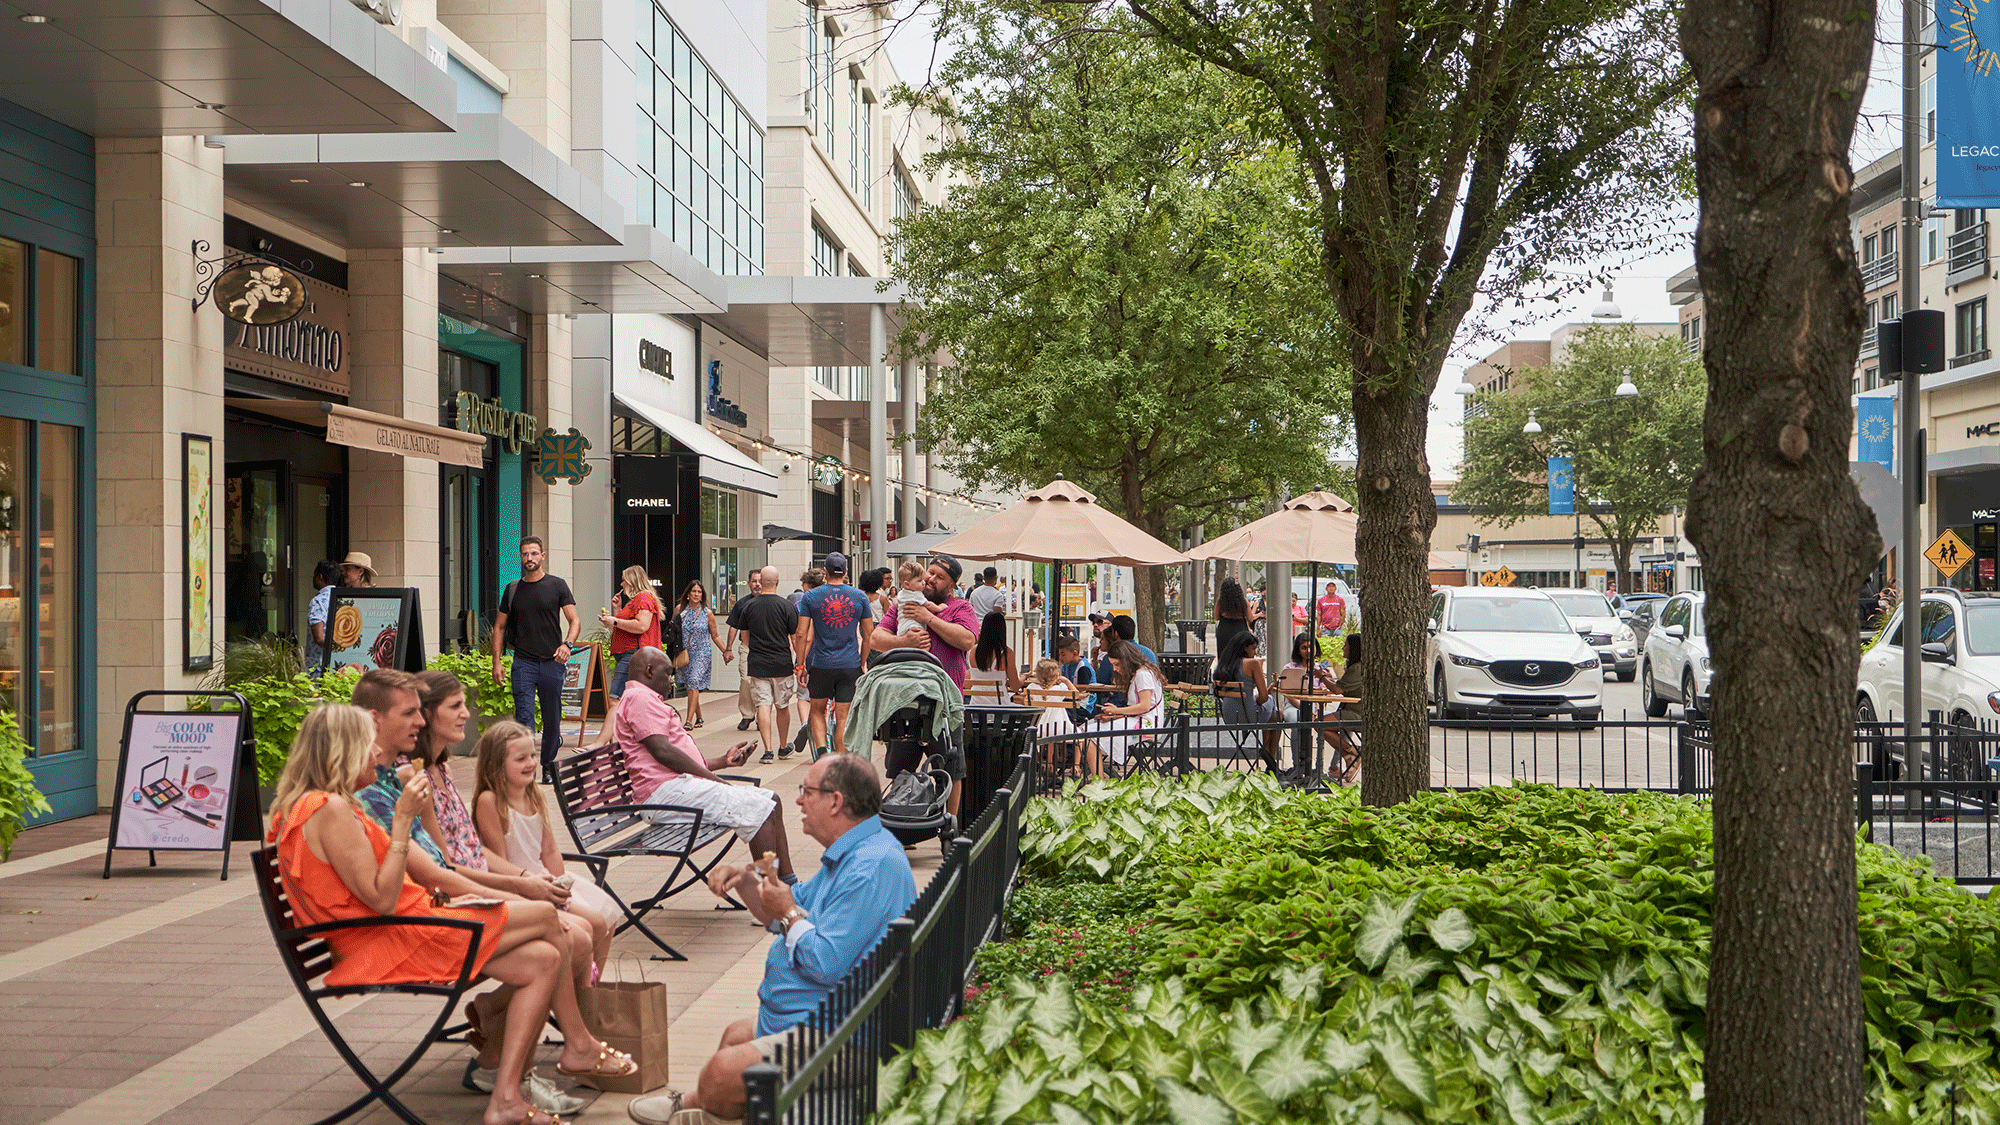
[(1126, 279), (1632, 459)]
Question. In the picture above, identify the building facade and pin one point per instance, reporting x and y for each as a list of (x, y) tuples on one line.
[(493, 226)]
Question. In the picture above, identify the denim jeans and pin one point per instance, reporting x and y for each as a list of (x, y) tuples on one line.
[(539, 680)]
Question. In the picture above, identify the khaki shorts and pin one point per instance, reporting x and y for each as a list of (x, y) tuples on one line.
[(774, 691)]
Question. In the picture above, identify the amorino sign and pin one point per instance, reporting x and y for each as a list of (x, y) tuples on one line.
[(309, 350), (489, 416)]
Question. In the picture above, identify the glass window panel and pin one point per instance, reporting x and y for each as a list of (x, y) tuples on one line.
[(13, 306), (14, 572), (56, 296), (643, 16), (683, 175)]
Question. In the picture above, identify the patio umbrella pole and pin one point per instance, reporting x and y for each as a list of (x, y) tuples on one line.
[(1054, 604)]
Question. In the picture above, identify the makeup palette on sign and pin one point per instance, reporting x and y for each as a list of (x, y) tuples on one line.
[(160, 791)]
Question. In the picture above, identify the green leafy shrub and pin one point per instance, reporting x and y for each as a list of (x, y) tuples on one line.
[(1513, 954), (278, 705), (19, 798), (474, 668)]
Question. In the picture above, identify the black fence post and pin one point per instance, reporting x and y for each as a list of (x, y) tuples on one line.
[(899, 1021), (1684, 768), (760, 1085), (1864, 783)]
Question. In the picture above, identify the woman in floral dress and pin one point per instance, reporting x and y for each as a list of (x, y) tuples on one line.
[(698, 630)]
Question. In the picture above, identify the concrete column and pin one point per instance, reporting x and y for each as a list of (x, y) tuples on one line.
[(878, 435), (392, 500), (530, 41), (789, 422), (551, 397), (912, 475), (159, 374), (591, 574)]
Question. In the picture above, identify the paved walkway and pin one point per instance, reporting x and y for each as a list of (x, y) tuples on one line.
[(158, 996)]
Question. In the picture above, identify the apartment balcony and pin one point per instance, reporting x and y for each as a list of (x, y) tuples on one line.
[(1969, 358), (1871, 339), (1878, 273), (1966, 253)]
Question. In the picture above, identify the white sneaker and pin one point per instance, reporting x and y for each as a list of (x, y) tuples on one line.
[(540, 1092), (655, 1109)]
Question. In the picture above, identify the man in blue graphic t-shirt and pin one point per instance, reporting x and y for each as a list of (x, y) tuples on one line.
[(838, 620)]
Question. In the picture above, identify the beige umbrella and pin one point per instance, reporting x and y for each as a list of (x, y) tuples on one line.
[(1315, 528), (1060, 521)]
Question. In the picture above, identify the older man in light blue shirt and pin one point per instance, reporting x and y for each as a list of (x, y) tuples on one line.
[(825, 926)]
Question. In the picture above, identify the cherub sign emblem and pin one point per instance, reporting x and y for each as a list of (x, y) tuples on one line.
[(259, 293)]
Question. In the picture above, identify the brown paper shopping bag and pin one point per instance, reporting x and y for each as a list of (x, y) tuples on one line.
[(631, 1016)]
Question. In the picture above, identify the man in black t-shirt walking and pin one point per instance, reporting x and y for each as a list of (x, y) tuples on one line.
[(538, 619), (771, 625)]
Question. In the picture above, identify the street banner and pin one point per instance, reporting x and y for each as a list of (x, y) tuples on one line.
[(1875, 427), (1968, 105), (1562, 487)]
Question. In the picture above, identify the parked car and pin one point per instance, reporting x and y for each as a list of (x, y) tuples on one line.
[(1497, 650), (1676, 667), (1600, 628), (1640, 618), (1625, 603), (1961, 652)]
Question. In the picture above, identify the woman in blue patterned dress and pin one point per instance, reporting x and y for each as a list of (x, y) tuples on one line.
[(698, 629)]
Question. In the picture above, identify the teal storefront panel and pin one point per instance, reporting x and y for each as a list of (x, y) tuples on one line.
[(47, 200), (510, 357)]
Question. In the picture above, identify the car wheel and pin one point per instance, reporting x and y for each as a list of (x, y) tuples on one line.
[(1864, 712), (1688, 706), (1441, 709), (1649, 697), (1964, 761)]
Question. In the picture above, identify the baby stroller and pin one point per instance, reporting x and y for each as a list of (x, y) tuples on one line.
[(913, 805)]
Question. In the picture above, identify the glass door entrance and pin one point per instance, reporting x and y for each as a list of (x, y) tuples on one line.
[(258, 596), (466, 566)]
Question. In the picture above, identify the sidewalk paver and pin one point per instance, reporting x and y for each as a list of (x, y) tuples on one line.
[(157, 996)]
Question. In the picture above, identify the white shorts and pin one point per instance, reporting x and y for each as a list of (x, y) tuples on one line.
[(743, 808), (773, 691)]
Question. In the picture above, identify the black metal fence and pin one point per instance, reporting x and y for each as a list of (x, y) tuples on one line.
[(1934, 796), (824, 1070)]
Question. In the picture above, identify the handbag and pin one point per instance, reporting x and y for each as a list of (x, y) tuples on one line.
[(631, 1016), (672, 642)]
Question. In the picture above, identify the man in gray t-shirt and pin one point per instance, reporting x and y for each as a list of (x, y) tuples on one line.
[(987, 596)]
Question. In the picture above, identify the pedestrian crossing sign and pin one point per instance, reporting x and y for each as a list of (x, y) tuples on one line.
[(1501, 577), (1948, 553)]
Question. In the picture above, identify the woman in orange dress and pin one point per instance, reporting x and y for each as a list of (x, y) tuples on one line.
[(337, 863)]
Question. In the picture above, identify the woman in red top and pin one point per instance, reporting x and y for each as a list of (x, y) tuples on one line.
[(336, 863), (634, 621)]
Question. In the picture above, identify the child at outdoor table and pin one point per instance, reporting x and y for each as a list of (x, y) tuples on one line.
[(1048, 678), (1314, 676), (513, 820), (337, 864)]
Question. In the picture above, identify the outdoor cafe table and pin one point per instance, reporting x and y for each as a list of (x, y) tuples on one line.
[(1314, 700)]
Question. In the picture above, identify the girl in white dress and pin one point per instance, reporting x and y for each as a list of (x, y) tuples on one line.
[(1145, 707), (512, 817)]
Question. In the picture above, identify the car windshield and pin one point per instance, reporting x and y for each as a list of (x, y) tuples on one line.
[(1507, 615), (1982, 630), (1581, 603)]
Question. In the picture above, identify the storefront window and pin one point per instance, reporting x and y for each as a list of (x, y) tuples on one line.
[(718, 514), (38, 552), (12, 268), (56, 297), (57, 566), (14, 471)]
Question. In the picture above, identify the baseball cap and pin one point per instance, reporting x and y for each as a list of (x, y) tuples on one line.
[(836, 563), (1098, 617), (949, 564)]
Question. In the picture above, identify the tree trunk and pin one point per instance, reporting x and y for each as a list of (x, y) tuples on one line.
[(1149, 587), (1396, 513), (1784, 541)]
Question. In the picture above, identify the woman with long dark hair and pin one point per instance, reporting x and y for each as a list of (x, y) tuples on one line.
[(1146, 692), (1232, 612), (992, 676), (1242, 664)]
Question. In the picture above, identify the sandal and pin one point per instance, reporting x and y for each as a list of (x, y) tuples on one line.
[(475, 1036), (694, 724), (621, 1063)]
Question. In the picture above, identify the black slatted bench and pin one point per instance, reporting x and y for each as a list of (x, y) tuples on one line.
[(607, 820), (308, 958)]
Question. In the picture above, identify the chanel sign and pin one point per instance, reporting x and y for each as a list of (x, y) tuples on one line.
[(656, 359)]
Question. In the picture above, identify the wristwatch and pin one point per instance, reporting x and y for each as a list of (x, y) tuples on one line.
[(792, 915)]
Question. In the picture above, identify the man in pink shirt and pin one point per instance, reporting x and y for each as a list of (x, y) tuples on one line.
[(950, 627), (667, 769)]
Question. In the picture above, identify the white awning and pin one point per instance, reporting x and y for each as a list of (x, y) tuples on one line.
[(721, 462)]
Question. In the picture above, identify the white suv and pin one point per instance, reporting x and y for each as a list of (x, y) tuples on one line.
[(1599, 626), (1675, 667), (1961, 650), (1497, 650)]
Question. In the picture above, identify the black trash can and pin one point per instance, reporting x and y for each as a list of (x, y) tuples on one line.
[(994, 737), (1199, 629)]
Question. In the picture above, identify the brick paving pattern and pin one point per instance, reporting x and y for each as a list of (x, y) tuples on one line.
[(158, 996)]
